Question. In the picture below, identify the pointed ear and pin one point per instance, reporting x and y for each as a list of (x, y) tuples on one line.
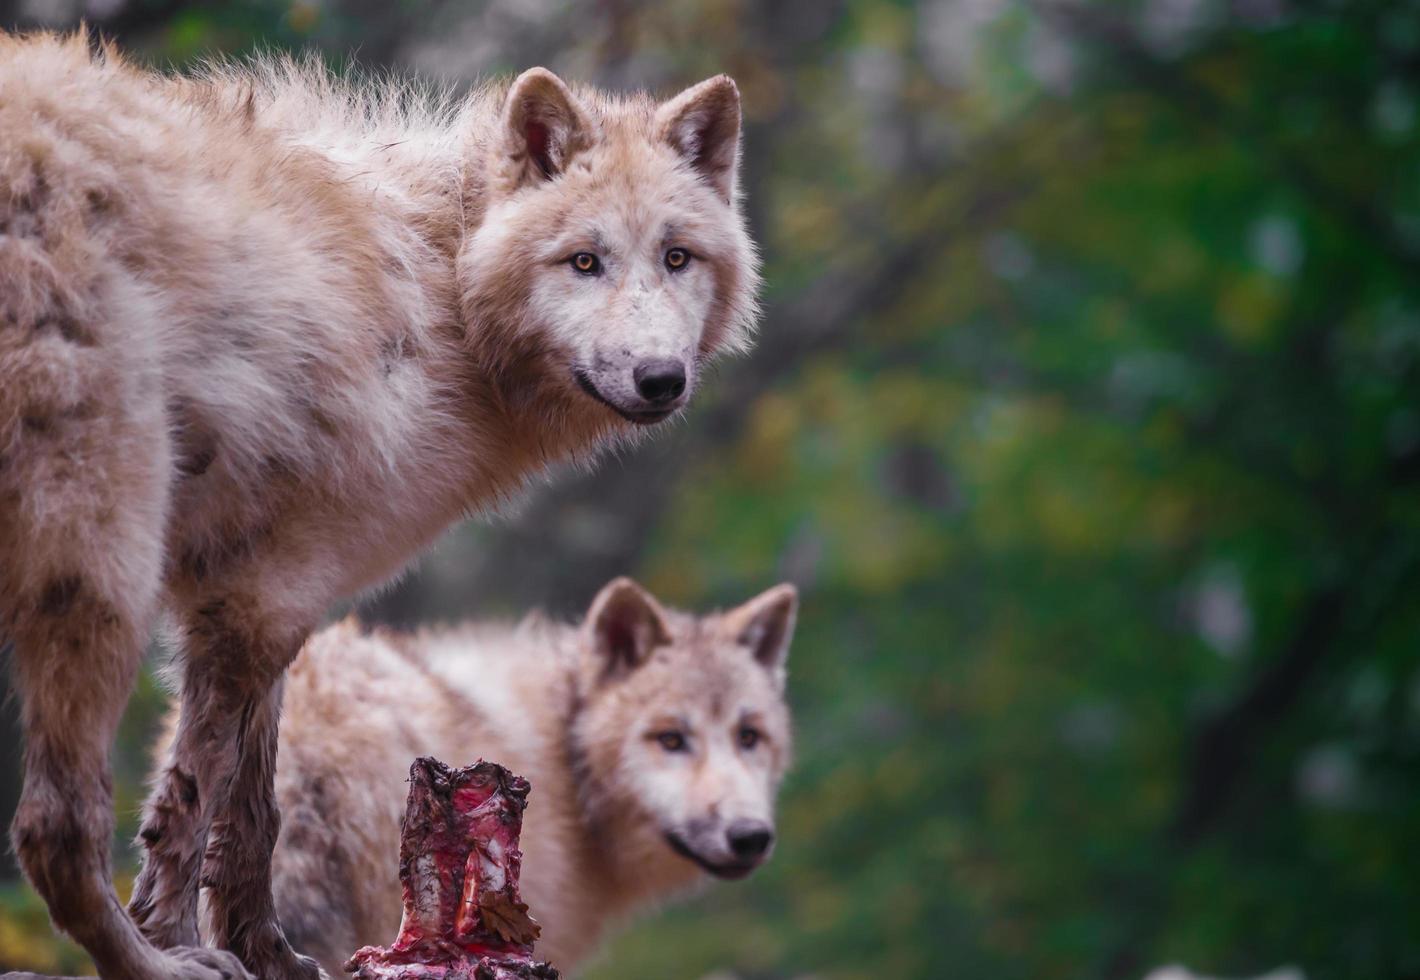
[(543, 124), (765, 625), (624, 625), (703, 125)]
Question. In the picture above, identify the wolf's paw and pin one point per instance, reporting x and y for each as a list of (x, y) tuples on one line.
[(197, 963), (291, 966), (310, 969)]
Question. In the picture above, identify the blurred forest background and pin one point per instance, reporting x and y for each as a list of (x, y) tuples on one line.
[(1085, 416)]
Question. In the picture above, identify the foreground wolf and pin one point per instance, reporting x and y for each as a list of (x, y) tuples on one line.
[(262, 337), (654, 741)]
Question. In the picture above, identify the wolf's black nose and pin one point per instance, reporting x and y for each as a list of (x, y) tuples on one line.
[(749, 839), (661, 380)]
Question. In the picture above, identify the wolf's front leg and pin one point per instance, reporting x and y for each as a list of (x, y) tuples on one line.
[(196, 773), (213, 807), (164, 901), (237, 867)]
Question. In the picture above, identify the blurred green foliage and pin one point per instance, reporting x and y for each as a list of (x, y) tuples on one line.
[(1085, 417)]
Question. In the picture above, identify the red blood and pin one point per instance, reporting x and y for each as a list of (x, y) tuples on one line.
[(459, 863)]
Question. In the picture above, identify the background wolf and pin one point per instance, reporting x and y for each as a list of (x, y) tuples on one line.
[(655, 742), (263, 336)]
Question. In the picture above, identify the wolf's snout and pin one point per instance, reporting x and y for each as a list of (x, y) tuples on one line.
[(660, 381), (749, 839)]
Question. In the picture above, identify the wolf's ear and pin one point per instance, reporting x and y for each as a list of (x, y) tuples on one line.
[(543, 123), (703, 124), (624, 625), (765, 625)]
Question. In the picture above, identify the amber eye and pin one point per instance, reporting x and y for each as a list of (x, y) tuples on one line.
[(671, 741), (749, 737), (586, 263), (677, 258)]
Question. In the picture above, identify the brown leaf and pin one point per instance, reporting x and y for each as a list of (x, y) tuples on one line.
[(508, 919)]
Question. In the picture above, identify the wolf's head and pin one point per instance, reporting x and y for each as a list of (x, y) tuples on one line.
[(683, 731), (611, 259)]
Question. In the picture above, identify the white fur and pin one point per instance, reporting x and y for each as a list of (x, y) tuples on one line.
[(538, 698), (264, 334)]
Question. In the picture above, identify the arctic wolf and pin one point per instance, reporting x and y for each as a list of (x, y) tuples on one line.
[(654, 741), (263, 335)]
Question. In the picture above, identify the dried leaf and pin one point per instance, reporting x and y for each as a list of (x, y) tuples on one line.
[(508, 919)]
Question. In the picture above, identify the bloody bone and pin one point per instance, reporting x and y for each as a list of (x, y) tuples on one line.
[(459, 864)]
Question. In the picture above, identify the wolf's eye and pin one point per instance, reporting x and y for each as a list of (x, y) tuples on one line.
[(749, 737), (586, 263), (671, 741), (677, 259)]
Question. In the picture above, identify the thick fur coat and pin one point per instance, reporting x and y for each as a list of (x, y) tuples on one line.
[(264, 334), (655, 742)]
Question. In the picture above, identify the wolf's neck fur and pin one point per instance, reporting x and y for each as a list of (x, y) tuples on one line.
[(368, 386), (414, 164)]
